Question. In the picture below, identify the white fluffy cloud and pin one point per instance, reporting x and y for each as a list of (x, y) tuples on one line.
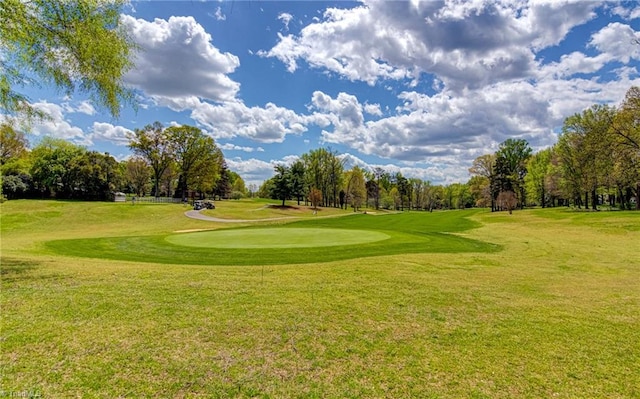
[(178, 60), (268, 124), (234, 147), (286, 18), (253, 171), (465, 44), (107, 132), (84, 107), (56, 125), (618, 42)]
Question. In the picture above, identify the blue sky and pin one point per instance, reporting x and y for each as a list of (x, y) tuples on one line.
[(420, 87)]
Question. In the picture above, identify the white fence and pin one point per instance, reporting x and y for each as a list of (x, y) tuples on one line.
[(156, 200)]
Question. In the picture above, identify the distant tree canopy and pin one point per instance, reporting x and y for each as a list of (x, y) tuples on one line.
[(596, 161), (73, 44), (198, 160), (176, 161), (65, 170)]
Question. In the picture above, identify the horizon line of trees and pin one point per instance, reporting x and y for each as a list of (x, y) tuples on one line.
[(177, 161), (596, 161)]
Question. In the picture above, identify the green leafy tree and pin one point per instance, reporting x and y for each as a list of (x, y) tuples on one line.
[(403, 188), (74, 45), (281, 188), (395, 197), (373, 192), (70, 171), (169, 179), (586, 147), (221, 178), (264, 191), (13, 144), (191, 150), (626, 131), (356, 190), (379, 175), (484, 167), (538, 176), (13, 186), (479, 190), (93, 176), (15, 162), (138, 175), (298, 188), (153, 143), (238, 187), (323, 170), (50, 168), (510, 168)]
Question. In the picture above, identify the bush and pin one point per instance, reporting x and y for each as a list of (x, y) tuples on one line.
[(236, 195), (13, 186)]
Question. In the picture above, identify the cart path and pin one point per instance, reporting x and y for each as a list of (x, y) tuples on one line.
[(193, 214)]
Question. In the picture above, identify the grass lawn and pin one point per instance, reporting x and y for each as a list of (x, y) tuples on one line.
[(541, 303)]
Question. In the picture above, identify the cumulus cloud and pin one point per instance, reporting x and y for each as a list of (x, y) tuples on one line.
[(84, 107), (234, 147), (56, 125), (464, 44), (118, 135), (268, 124), (178, 60), (482, 58), (451, 131), (286, 18), (627, 13), (253, 171), (617, 41), (373, 109)]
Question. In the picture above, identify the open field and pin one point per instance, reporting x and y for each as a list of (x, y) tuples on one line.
[(541, 303)]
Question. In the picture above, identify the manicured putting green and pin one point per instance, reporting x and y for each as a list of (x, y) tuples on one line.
[(276, 238)]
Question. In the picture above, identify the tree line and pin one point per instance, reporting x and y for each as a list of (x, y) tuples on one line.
[(178, 161), (319, 178), (596, 161)]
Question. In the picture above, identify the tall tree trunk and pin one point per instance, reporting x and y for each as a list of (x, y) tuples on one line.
[(586, 200), (594, 200), (620, 198)]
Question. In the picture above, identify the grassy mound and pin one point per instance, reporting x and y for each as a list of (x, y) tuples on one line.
[(355, 236)]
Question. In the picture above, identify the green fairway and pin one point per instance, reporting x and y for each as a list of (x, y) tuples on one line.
[(276, 238), (459, 304)]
